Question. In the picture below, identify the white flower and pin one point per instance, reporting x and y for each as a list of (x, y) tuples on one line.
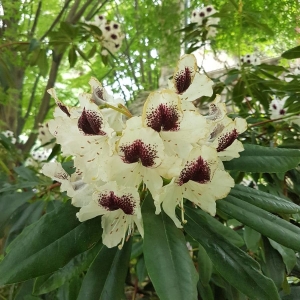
[(10, 135), (120, 207), (200, 181), (187, 82), (179, 129), (140, 153), (276, 108), (223, 137), (45, 136), (250, 59)]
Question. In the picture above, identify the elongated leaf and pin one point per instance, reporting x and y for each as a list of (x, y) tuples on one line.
[(167, 259), (236, 267), (291, 53), (205, 266), (264, 160), (252, 238), (288, 255), (106, 276), (272, 264), (264, 200), (141, 270), (48, 245), (81, 262), (205, 291), (266, 223), (9, 203)]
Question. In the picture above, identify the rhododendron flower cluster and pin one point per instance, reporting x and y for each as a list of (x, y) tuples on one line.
[(112, 36), (203, 17), (172, 151)]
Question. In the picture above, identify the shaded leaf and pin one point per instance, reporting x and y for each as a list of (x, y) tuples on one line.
[(236, 267), (167, 259), (264, 160), (291, 53)]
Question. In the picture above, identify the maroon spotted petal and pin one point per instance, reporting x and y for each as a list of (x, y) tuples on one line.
[(139, 151), (197, 170), (164, 118), (90, 123), (112, 202), (225, 140), (183, 80)]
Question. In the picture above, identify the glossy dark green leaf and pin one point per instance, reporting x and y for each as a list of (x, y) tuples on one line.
[(262, 221), (48, 245), (235, 266), (272, 264), (167, 259), (264, 200), (260, 159), (106, 276), (252, 238), (288, 255), (25, 291), (78, 264), (291, 53), (205, 266), (205, 292), (9, 203)]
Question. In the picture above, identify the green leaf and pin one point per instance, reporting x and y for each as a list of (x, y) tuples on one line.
[(272, 264), (42, 62), (260, 159), (26, 173), (205, 266), (72, 57), (264, 200), (167, 259), (235, 266), (106, 276), (137, 249), (78, 264), (288, 255), (141, 270), (251, 238), (291, 53), (9, 203), (264, 222), (48, 245), (205, 291), (294, 295), (238, 91)]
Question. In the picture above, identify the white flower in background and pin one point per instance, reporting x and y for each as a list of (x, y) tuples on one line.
[(45, 136), (200, 181), (112, 36), (199, 15), (187, 82), (250, 59), (10, 135), (276, 108), (120, 207)]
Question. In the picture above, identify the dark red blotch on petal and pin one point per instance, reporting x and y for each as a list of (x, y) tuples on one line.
[(225, 140), (139, 151), (63, 108), (90, 123), (164, 118), (183, 80), (198, 170), (112, 202)]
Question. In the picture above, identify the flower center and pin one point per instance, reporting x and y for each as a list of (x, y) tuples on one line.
[(139, 151), (90, 123), (183, 80), (164, 118), (197, 170), (112, 202), (226, 140)]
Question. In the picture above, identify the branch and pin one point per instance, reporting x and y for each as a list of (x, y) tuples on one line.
[(56, 20), (81, 11), (36, 18), (45, 102)]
